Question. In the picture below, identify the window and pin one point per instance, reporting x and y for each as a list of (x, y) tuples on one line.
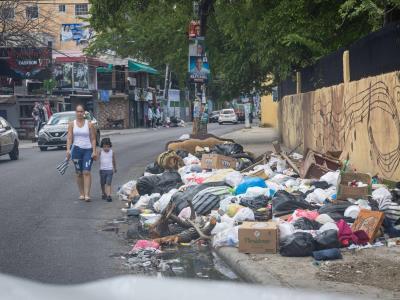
[(7, 13), (61, 8), (25, 110), (32, 12), (81, 9)]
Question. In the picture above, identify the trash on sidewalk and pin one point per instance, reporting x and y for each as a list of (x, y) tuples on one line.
[(199, 196)]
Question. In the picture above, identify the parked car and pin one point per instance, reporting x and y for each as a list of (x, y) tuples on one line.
[(9, 141), (227, 116), (54, 132), (214, 116)]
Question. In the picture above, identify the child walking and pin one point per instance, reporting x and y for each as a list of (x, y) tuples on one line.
[(107, 168)]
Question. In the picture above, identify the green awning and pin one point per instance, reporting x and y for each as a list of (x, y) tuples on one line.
[(138, 67), (107, 69)]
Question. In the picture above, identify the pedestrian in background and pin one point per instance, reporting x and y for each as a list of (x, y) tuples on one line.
[(150, 117), (107, 168), (82, 139), (158, 116)]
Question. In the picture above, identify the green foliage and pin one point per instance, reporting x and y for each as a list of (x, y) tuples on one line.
[(49, 85), (251, 44)]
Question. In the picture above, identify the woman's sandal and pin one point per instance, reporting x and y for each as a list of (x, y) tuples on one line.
[(81, 198), (87, 199)]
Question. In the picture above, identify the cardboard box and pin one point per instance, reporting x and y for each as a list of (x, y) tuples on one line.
[(217, 161), (369, 221), (259, 237), (345, 191)]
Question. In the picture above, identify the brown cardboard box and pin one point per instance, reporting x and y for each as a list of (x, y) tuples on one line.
[(259, 237), (217, 161), (370, 222), (345, 191)]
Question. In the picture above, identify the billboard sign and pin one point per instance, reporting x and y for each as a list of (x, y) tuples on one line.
[(75, 32), (25, 63)]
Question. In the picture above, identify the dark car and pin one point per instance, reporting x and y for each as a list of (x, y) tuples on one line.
[(9, 141), (54, 132), (213, 118)]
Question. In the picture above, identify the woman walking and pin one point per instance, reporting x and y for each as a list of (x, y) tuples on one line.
[(81, 147)]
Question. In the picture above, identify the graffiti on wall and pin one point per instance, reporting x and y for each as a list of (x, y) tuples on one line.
[(360, 118)]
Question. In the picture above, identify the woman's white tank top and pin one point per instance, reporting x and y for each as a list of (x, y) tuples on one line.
[(82, 135)]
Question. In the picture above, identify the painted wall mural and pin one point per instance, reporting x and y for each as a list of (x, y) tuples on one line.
[(361, 118)]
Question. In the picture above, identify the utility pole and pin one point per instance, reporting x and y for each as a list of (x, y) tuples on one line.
[(166, 88), (201, 9)]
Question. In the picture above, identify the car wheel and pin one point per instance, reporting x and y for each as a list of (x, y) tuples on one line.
[(14, 154), (43, 148), (220, 123), (98, 138)]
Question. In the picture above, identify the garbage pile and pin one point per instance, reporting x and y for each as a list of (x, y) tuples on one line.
[(225, 197)]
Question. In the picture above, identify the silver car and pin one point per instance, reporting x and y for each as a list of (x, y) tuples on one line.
[(9, 141), (54, 132)]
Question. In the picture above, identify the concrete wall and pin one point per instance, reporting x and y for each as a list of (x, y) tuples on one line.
[(269, 112), (116, 109), (360, 117)]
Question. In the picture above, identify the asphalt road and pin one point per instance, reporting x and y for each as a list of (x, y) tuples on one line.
[(46, 233)]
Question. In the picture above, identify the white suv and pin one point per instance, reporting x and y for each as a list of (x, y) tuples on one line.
[(227, 116)]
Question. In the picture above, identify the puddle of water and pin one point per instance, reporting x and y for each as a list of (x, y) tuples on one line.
[(196, 261)]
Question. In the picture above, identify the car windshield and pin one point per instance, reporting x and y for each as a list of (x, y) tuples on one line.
[(228, 112), (60, 119)]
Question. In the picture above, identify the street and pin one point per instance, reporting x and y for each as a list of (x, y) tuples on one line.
[(47, 234)]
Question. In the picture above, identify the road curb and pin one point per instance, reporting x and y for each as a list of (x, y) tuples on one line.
[(246, 269)]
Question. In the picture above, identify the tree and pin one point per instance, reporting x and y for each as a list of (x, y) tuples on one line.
[(249, 43), (21, 24)]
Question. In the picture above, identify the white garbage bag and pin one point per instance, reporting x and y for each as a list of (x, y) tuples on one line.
[(328, 226), (125, 190), (163, 202), (285, 229), (244, 214), (234, 178), (190, 160), (228, 237), (331, 178)]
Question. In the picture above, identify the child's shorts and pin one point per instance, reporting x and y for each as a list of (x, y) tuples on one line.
[(106, 177)]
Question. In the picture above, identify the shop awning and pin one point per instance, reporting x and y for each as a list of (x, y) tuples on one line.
[(138, 67), (107, 69)]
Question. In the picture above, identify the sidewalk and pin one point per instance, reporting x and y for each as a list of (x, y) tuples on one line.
[(372, 266), (256, 139)]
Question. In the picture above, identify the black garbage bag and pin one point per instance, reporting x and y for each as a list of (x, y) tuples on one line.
[(285, 203), (335, 211), (297, 245), (327, 240), (182, 153), (254, 203), (227, 149), (243, 163), (306, 224), (321, 185), (153, 168), (158, 183), (181, 198)]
